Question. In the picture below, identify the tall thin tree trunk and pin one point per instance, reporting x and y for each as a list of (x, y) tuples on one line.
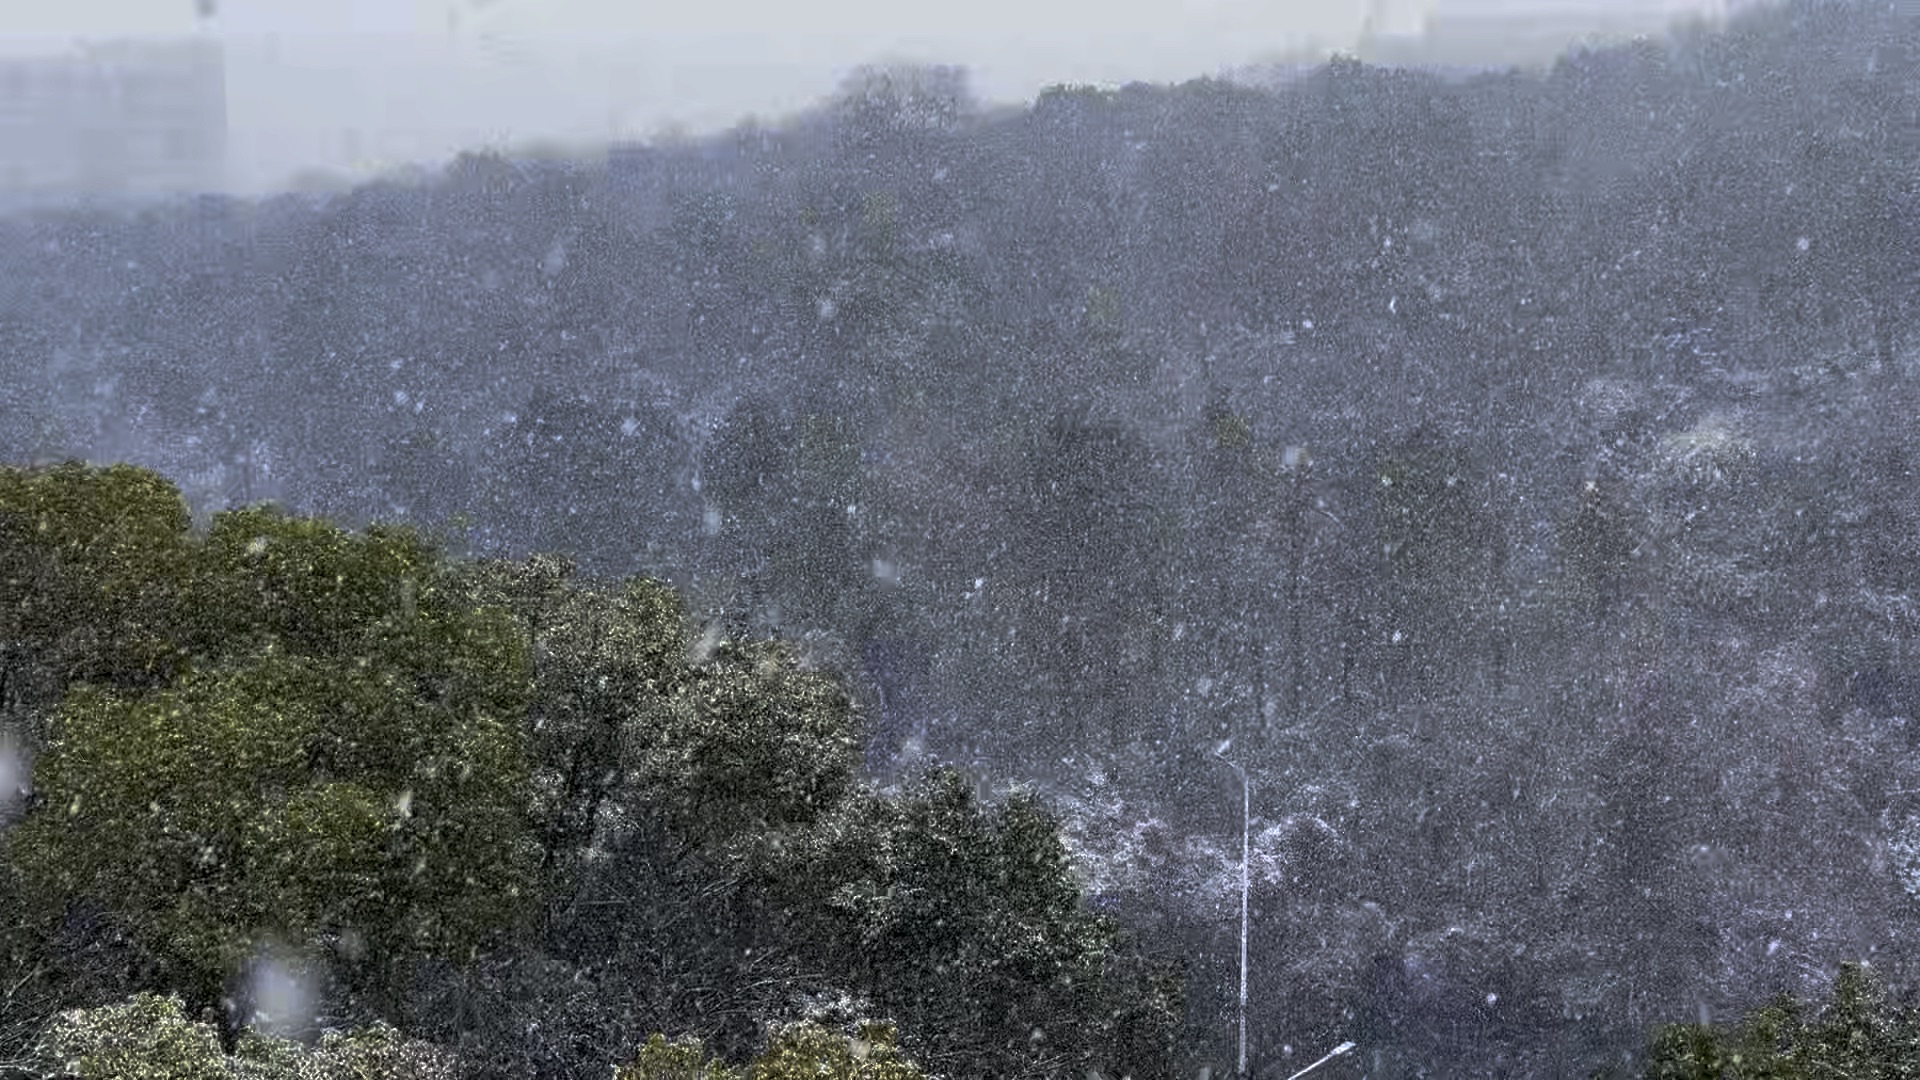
[(1299, 467)]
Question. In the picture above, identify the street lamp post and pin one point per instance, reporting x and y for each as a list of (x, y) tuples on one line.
[(1246, 850)]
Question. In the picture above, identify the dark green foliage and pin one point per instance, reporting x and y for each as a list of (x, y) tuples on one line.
[(679, 1059), (148, 1037), (754, 747), (964, 922), (804, 1051), (346, 745), (1430, 505), (286, 800), (1597, 546), (94, 570), (1859, 1033), (326, 747), (718, 778), (789, 491), (1097, 570), (599, 468), (604, 666)]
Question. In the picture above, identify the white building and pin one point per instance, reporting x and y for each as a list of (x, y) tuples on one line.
[(135, 119)]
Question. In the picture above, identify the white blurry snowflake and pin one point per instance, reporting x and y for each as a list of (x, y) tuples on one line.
[(13, 770)]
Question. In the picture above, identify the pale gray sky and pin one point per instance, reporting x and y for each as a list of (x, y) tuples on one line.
[(359, 85)]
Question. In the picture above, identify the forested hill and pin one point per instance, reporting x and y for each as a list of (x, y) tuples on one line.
[(1518, 469), (695, 357)]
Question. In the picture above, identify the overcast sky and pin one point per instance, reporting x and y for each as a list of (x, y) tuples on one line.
[(354, 86)]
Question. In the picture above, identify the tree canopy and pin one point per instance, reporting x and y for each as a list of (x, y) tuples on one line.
[(426, 780)]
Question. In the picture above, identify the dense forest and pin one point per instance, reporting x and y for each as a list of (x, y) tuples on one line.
[(1514, 471), (478, 801)]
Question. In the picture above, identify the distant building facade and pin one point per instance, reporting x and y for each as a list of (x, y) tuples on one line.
[(1497, 34), (119, 120)]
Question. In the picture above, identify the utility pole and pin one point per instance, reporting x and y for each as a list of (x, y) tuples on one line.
[(1246, 881), (1246, 851)]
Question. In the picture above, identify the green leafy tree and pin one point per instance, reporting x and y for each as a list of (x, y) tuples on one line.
[(606, 665), (94, 565), (965, 923), (1860, 1033), (288, 800), (149, 1037), (1091, 559), (1445, 556), (362, 748), (789, 490), (679, 1059), (631, 721), (754, 746), (1597, 549), (661, 769), (807, 1050), (803, 1051), (338, 760)]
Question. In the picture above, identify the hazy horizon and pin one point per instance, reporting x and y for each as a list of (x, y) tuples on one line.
[(356, 88)]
